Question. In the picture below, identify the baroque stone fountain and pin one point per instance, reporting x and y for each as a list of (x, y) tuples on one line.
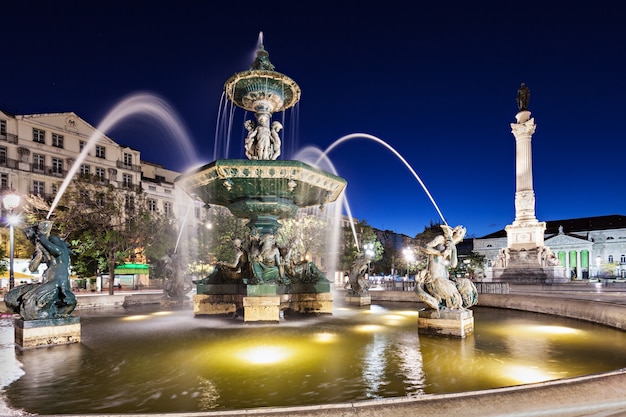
[(264, 278)]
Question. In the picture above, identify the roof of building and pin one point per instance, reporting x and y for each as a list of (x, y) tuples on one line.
[(583, 224)]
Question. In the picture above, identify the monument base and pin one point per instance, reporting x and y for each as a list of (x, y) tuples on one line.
[(531, 275), (263, 308), (454, 322), (50, 332), (216, 304), (177, 303), (360, 300), (311, 303)]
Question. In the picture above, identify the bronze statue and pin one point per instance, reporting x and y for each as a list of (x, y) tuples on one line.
[(434, 286), (523, 97), (53, 298)]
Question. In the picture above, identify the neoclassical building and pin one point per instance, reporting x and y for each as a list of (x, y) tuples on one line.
[(588, 247), (38, 151)]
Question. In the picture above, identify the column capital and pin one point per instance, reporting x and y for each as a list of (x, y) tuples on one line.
[(524, 129)]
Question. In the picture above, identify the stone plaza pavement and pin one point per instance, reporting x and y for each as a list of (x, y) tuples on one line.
[(600, 395)]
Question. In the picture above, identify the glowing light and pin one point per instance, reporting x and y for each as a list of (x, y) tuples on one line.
[(394, 319), (526, 374), (325, 337), (263, 355), (368, 328), (409, 313), (134, 318), (554, 330), (161, 313)]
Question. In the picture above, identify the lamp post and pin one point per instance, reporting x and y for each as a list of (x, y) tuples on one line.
[(409, 257), (10, 202)]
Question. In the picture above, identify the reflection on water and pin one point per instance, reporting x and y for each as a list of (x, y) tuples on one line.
[(147, 361)]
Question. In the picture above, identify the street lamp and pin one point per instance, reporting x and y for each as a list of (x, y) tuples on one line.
[(409, 256), (10, 202)]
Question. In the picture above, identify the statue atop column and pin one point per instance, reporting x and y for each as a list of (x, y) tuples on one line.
[(523, 97)]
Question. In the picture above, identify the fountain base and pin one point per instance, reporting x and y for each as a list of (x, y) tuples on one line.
[(453, 322), (175, 302), (49, 332), (264, 308), (359, 300)]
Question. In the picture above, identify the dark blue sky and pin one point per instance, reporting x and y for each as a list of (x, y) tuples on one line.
[(435, 80)]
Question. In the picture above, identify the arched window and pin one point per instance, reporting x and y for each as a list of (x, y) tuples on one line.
[(610, 259), (622, 259)]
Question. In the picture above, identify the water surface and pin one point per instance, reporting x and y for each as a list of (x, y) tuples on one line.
[(145, 360)]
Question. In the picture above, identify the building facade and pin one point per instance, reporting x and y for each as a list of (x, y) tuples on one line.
[(588, 247)]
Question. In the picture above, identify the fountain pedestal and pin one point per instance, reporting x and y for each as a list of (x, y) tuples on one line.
[(359, 300), (262, 303), (51, 332), (449, 322)]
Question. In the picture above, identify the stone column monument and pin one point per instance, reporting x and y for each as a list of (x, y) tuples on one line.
[(526, 259)]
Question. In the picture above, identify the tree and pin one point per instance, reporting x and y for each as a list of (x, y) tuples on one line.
[(105, 225), (365, 234)]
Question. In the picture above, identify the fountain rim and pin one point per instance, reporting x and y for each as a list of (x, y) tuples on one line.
[(230, 86)]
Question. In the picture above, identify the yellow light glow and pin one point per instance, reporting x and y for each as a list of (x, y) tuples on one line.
[(325, 337), (161, 313), (554, 330), (368, 328), (409, 313), (263, 355), (526, 374), (134, 318)]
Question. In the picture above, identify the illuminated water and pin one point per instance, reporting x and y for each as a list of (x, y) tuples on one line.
[(149, 361)]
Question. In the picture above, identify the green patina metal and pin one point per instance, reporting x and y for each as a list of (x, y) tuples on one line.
[(263, 190)]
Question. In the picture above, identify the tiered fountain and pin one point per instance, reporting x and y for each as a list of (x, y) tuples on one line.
[(266, 279)]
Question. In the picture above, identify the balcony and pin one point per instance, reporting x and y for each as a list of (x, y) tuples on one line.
[(9, 137), (130, 167)]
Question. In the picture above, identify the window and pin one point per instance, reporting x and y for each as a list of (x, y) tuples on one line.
[(127, 180), (81, 145), (622, 259), (100, 173), (152, 206), (57, 140), (610, 259), (4, 181), (85, 169), (3, 155), (39, 188), (55, 189), (168, 191), (129, 203), (3, 127), (128, 159), (100, 152), (151, 188), (57, 166), (39, 162), (167, 207), (39, 135)]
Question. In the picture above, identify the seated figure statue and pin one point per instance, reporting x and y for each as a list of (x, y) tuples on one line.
[(229, 272), (298, 268), (268, 266)]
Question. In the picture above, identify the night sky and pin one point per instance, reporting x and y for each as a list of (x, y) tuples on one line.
[(434, 80)]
